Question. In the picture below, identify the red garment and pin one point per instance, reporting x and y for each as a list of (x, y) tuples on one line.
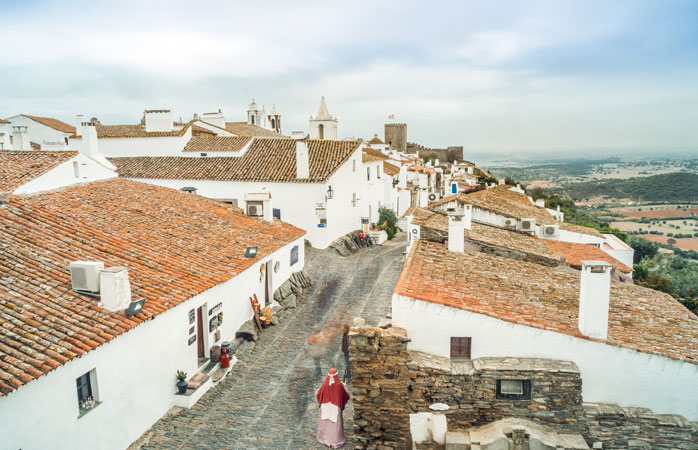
[(335, 394)]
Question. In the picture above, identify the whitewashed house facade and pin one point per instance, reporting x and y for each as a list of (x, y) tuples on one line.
[(45, 133), (186, 259)]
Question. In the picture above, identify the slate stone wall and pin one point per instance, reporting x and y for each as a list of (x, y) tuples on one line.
[(390, 383)]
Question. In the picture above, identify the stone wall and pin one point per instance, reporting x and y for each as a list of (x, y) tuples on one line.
[(390, 383), (450, 154)]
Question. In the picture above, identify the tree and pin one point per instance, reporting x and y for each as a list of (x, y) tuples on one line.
[(671, 241), (643, 248)]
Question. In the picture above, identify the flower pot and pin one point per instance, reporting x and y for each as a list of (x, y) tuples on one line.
[(182, 386)]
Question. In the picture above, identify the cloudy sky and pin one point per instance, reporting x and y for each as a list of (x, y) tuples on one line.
[(501, 76)]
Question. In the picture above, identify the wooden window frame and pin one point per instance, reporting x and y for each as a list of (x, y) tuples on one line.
[(525, 387), (461, 347)]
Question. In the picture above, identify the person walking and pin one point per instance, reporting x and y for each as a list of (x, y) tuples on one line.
[(345, 350), (332, 397)]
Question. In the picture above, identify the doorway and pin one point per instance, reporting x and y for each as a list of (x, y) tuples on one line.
[(267, 282), (200, 341)]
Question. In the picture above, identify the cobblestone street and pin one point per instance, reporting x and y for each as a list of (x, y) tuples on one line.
[(268, 400)]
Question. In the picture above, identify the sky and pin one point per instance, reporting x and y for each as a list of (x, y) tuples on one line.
[(502, 77)]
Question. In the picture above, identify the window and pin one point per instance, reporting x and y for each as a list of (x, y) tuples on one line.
[(76, 169), (294, 255), (368, 173), (87, 392), (460, 347), (353, 165), (353, 199), (508, 389), (252, 120), (378, 172)]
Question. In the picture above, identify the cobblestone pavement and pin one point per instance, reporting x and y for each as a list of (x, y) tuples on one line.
[(268, 399)]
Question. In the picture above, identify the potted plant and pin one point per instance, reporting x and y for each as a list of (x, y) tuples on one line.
[(182, 383)]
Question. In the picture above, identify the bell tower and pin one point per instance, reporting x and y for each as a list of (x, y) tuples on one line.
[(274, 120), (323, 126)]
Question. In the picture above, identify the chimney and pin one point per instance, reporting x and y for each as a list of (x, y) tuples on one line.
[(302, 159), (297, 134), (20, 138), (456, 227), (78, 123), (89, 139), (594, 296), (468, 217), (214, 118), (158, 120), (114, 288), (402, 177), (268, 211)]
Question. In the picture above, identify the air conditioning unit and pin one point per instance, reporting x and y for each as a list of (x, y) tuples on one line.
[(432, 197), (549, 231), (527, 225), (255, 209), (509, 223), (84, 275)]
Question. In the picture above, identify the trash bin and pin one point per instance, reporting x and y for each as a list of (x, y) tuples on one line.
[(228, 348), (215, 354)]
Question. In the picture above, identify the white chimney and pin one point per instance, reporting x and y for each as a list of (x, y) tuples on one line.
[(20, 139), (297, 134), (468, 217), (456, 227), (302, 159), (89, 139), (158, 120), (594, 296), (214, 118), (78, 123), (115, 289), (402, 177)]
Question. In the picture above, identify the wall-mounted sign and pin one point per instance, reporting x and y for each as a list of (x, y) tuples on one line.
[(294, 254), (191, 330), (192, 316), (192, 339), (215, 309), (218, 335), (322, 225)]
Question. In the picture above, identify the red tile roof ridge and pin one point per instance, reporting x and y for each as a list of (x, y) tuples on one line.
[(52, 123)]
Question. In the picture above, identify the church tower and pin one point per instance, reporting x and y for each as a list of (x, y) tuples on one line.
[(274, 120), (323, 126), (255, 116)]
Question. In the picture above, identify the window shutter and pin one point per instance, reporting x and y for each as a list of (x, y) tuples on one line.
[(460, 347)]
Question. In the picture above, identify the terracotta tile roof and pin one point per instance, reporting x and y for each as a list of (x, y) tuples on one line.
[(52, 123), (155, 232), (580, 229), (418, 168), (484, 234), (265, 160), (376, 140), (4, 121), (20, 167), (246, 129), (135, 131), (217, 143), (390, 169), (370, 158), (529, 294), (374, 152), (196, 130), (575, 253)]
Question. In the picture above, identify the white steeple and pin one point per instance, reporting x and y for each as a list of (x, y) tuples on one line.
[(323, 126)]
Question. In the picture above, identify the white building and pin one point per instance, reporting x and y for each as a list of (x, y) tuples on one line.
[(318, 185), (26, 132), (634, 346), (323, 126), (260, 118), (62, 345)]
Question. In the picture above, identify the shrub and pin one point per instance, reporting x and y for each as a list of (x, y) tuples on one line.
[(387, 220)]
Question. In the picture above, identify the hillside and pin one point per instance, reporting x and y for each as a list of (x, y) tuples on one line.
[(670, 187)]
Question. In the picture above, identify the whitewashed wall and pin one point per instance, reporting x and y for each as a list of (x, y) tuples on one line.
[(37, 132), (144, 146), (609, 374), (64, 175), (135, 373)]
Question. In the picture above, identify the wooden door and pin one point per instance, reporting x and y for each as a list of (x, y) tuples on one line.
[(200, 332)]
